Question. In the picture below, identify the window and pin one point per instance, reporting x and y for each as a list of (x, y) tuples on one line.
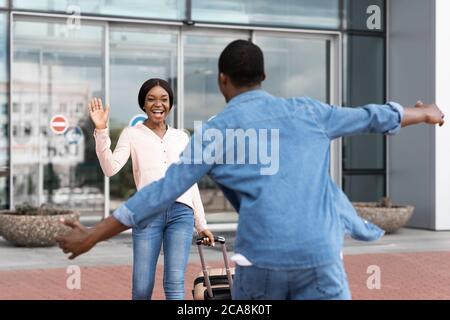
[(287, 13), (157, 9), (44, 108), (363, 164), (27, 129), (136, 54), (28, 108), (80, 108), (55, 68), (4, 101)]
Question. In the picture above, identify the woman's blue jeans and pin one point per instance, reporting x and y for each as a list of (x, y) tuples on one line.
[(173, 229)]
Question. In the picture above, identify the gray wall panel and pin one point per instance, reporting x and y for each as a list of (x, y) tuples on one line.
[(412, 77)]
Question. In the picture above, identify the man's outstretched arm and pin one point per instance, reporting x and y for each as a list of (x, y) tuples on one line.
[(387, 119)]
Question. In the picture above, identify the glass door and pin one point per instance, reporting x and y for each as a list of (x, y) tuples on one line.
[(137, 53), (56, 70), (296, 65), (202, 98), (304, 64), (4, 118)]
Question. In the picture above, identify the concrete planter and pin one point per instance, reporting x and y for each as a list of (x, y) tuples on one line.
[(34, 230), (389, 219)]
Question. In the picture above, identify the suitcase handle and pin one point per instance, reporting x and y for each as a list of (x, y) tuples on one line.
[(216, 239), (221, 240)]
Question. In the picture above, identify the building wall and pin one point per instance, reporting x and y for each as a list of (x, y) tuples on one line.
[(417, 156), (443, 101), (411, 77)]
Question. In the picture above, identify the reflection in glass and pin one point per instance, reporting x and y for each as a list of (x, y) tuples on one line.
[(56, 71), (136, 55), (201, 92), (202, 96), (364, 187), (295, 66), (364, 152), (159, 9), (299, 13), (364, 65), (3, 4), (4, 114)]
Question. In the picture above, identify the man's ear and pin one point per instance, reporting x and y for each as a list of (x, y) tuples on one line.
[(223, 79)]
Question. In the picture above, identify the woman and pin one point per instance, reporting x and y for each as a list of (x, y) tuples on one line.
[(153, 147)]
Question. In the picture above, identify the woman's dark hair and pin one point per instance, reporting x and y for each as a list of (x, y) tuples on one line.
[(148, 85), (243, 62)]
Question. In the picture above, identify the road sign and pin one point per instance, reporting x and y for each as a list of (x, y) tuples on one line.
[(74, 135), (59, 124), (140, 118)]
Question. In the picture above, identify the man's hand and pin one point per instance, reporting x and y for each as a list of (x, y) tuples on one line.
[(77, 241), (433, 115), (423, 113), (208, 238)]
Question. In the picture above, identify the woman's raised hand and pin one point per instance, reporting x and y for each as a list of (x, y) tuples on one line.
[(99, 115)]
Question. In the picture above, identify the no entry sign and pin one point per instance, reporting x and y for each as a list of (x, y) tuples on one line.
[(59, 124)]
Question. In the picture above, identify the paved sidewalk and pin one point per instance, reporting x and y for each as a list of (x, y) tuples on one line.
[(414, 264), (403, 276)]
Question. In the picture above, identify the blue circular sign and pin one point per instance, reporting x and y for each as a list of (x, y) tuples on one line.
[(140, 118), (74, 135)]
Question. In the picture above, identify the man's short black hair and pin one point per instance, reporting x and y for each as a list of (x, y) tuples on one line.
[(243, 62)]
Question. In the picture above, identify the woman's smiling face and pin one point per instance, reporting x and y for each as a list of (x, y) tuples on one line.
[(157, 105)]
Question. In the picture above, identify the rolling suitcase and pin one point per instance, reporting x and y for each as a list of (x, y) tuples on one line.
[(215, 283)]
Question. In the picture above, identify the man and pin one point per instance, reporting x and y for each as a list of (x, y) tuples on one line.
[(291, 219)]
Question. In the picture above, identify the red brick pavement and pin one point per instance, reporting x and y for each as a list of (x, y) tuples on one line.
[(403, 276)]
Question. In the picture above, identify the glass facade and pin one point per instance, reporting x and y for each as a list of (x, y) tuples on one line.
[(157, 9), (364, 155), (364, 187), (136, 54), (58, 66), (201, 93), (3, 3), (202, 98), (4, 113), (286, 13), (56, 71), (295, 66)]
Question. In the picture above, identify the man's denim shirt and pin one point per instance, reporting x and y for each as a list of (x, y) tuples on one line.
[(294, 217)]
